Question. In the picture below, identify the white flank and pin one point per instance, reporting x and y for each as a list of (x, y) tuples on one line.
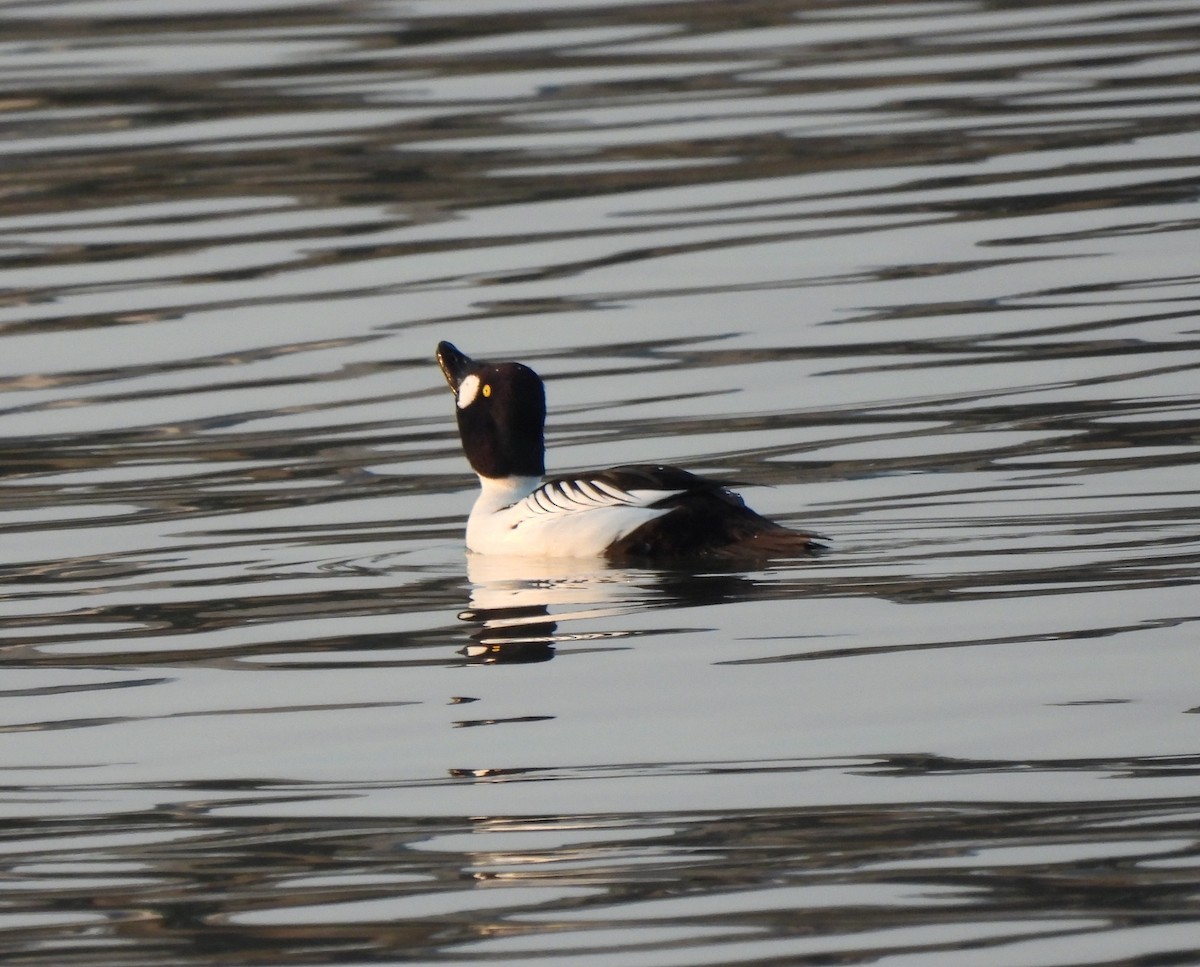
[(573, 518)]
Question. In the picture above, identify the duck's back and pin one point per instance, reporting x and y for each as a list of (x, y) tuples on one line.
[(714, 528), (701, 519)]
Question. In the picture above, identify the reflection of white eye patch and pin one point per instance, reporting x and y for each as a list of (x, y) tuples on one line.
[(467, 390)]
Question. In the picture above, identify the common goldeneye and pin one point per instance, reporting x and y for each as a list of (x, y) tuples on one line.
[(622, 513)]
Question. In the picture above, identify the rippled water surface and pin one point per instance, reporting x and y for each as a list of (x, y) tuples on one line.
[(923, 275)]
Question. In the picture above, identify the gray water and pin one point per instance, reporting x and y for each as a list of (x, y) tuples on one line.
[(924, 276)]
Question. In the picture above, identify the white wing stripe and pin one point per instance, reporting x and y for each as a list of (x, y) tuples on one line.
[(590, 492), (643, 498), (556, 499), (559, 499), (614, 492), (572, 496), (585, 500)]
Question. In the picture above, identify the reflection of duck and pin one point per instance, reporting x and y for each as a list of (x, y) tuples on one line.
[(517, 603), (622, 513), (511, 600)]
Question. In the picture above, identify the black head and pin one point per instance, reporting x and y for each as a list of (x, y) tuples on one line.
[(501, 410)]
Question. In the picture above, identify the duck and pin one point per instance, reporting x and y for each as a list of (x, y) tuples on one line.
[(631, 513)]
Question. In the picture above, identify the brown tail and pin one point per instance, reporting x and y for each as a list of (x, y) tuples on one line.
[(777, 541), (713, 526)]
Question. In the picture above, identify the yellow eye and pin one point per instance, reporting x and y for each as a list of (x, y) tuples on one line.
[(487, 389)]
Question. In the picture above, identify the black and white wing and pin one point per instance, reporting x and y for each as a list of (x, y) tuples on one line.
[(672, 515), (702, 519), (615, 487)]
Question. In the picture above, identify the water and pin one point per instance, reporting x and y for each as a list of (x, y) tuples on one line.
[(924, 276)]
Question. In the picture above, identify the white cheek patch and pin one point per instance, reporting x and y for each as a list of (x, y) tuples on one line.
[(468, 389)]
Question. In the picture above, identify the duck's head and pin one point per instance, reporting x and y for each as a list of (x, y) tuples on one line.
[(501, 410)]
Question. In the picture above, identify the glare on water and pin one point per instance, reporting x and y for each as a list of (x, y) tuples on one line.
[(922, 277)]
